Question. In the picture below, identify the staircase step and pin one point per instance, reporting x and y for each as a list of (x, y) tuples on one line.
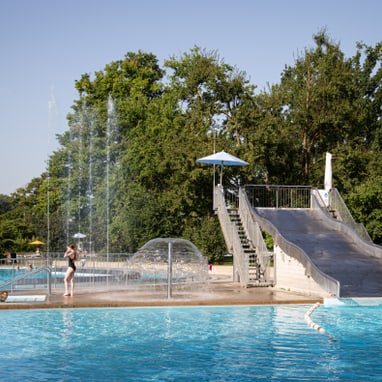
[(254, 272), (260, 284)]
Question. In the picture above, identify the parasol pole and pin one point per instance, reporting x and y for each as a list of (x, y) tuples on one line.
[(214, 177), (214, 163), (213, 187)]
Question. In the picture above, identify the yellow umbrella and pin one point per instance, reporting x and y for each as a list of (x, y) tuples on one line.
[(37, 242)]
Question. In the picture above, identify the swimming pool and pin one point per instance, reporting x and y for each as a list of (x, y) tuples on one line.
[(7, 274), (228, 343)]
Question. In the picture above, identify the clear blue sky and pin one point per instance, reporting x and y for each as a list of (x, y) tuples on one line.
[(48, 44)]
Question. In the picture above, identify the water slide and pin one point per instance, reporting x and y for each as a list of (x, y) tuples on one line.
[(333, 247)]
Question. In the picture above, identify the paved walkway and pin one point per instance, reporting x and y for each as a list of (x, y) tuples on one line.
[(221, 290)]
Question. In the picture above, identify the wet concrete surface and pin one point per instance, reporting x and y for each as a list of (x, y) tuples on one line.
[(218, 292)]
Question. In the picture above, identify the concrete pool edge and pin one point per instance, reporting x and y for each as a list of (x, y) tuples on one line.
[(226, 293)]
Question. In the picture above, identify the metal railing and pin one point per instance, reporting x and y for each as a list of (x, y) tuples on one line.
[(338, 206), (275, 196), (253, 231), (303, 197), (43, 273), (231, 236), (31, 279), (101, 272)]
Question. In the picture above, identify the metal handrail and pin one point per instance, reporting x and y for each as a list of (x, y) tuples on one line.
[(231, 236), (13, 282), (327, 282), (253, 231), (338, 205)]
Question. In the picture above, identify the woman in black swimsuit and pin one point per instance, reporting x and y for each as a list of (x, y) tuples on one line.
[(71, 254)]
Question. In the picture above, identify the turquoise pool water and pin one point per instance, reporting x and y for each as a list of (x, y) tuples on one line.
[(230, 343), (83, 275), (6, 274)]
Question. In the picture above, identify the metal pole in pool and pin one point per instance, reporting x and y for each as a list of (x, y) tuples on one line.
[(169, 270)]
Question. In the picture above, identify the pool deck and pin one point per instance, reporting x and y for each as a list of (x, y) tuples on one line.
[(221, 290)]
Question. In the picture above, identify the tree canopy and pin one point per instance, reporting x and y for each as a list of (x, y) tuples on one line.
[(126, 170)]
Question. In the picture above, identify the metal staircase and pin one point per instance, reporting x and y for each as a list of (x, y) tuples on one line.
[(244, 240), (256, 276)]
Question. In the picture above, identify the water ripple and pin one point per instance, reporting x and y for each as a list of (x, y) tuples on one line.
[(192, 343)]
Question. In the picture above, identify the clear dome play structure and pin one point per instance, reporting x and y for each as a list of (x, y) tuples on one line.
[(169, 263)]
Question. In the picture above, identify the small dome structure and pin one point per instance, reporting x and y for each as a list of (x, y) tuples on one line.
[(151, 262)]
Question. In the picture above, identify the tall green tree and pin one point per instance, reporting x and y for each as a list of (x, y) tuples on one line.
[(320, 102), (126, 169), (160, 160), (111, 104)]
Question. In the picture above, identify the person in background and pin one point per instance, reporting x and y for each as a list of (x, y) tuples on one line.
[(71, 254), (7, 257), (3, 296)]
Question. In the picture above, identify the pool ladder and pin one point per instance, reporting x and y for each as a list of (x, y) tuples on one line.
[(11, 284)]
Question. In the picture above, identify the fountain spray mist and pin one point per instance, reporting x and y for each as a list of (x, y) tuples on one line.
[(52, 108), (110, 124)]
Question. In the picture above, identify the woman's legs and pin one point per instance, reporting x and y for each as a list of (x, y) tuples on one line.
[(72, 284), (69, 276)]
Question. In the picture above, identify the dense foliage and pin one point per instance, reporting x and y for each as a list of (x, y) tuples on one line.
[(126, 168)]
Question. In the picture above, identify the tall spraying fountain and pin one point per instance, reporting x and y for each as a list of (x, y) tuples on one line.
[(161, 265), (90, 191), (89, 170), (52, 107), (109, 127)]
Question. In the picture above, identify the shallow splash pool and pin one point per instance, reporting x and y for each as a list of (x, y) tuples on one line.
[(6, 274), (239, 343), (88, 276)]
